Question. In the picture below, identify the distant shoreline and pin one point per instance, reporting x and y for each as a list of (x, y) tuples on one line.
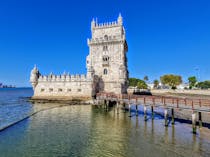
[(16, 88), (199, 94)]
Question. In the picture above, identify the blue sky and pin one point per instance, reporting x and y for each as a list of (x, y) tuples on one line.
[(164, 36)]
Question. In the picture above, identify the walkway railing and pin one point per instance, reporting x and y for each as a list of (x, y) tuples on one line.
[(192, 103), (197, 106)]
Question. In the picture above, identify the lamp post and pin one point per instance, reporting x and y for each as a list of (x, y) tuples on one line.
[(197, 73)]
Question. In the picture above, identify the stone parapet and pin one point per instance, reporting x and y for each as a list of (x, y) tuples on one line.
[(106, 25), (118, 38), (63, 78)]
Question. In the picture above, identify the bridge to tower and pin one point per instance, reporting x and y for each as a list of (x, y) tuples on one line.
[(199, 108)]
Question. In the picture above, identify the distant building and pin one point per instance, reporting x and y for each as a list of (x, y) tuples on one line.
[(106, 67), (183, 86), (150, 85)]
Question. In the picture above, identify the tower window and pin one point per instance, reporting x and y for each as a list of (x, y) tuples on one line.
[(106, 37), (105, 48), (105, 72), (105, 61), (105, 58)]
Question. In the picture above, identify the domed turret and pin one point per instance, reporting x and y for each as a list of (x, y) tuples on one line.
[(120, 20), (34, 76), (93, 23), (90, 72)]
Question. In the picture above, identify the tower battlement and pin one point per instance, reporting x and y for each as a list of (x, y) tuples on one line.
[(96, 25), (105, 25), (63, 78), (107, 30)]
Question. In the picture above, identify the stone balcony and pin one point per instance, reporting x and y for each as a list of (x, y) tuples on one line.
[(110, 39)]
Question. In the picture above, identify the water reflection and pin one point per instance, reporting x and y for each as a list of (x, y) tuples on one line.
[(91, 131)]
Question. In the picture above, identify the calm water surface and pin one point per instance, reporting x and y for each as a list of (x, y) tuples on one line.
[(88, 131)]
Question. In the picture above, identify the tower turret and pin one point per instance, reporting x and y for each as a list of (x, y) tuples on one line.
[(90, 72), (120, 20), (93, 24), (34, 76)]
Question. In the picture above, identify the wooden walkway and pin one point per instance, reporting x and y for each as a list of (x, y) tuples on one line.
[(164, 101), (197, 106)]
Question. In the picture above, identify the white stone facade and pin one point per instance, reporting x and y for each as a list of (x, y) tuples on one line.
[(106, 67)]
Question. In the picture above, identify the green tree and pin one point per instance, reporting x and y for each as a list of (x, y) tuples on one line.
[(146, 78), (171, 80), (192, 81), (141, 84), (156, 83), (133, 82), (203, 85)]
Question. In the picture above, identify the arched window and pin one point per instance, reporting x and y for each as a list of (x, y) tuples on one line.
[(105, 72), (105, 58), (106, 37), (105, 48)]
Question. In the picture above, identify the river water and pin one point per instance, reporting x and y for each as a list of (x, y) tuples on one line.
[(89, 131)]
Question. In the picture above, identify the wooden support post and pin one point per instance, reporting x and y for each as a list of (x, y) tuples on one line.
[(107, 105), (172, 116), (114, 108), (199, 102), (104, 104), (145, 113), (166, 117), (194, 123), (177, 103), (136, 110), (129, 109), (136, 106), (192, 105), (200, 119), (152, 110), (124, 107), (117, 107)]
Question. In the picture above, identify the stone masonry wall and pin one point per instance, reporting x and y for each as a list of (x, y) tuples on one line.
[(64, 86)]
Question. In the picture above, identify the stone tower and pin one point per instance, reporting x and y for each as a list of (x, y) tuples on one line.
[(107, 56)]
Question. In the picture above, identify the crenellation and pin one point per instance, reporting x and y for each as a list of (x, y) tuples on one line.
[(63, 78), (53, 78), (78, 76), (105, 25), (45, 78), (83, 77), (68, 78)]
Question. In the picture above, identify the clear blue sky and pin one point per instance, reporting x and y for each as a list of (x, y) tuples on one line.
[(164, 36)]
